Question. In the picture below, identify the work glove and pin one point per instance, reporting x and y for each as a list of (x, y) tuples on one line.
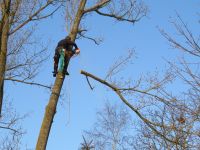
[(77, 51)]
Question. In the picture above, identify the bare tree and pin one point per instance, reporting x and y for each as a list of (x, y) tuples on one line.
[(87, 145), (130, 11), (167, 117), (112, 129), (10, 128), (168, 120), (184, 116), (18, 61)]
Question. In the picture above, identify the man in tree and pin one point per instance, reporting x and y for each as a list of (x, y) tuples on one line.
[(65, 45)]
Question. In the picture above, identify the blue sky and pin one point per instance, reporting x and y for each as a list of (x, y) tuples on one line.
[(71, 120)]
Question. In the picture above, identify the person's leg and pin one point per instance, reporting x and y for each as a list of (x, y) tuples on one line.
[(68, 55), (56, 59)]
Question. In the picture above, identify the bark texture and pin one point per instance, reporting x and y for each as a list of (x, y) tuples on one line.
[(130, 13), (51, 107), (4, 27)]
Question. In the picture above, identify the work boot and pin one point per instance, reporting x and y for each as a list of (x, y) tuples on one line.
[(67, 73), (54, 73)]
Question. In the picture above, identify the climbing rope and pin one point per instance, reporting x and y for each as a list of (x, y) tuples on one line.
[(68, 89)]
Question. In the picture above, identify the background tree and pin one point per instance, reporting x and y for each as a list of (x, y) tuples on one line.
[(87, 145), (130, 11), (19, 59), (184, 116), (169, 118), (112, 129), (10, 128), (21, 55)]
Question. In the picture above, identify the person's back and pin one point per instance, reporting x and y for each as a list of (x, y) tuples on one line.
[(61, 43), (67, 45)]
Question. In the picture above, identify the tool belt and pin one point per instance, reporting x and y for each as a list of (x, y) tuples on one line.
[(69, 53)]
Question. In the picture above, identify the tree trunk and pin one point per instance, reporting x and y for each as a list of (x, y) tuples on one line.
[(49, 114), (3, 49), (51, 107)]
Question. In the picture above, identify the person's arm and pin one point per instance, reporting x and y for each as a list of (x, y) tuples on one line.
[(74, 44), (77, 50)]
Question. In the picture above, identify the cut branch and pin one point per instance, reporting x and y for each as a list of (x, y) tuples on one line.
[(149, 123)]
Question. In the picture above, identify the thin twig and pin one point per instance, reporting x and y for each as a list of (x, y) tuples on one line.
[(8, 128), (89, 83), (30, 83)]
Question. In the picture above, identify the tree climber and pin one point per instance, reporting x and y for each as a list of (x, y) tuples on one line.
[(65, 45)]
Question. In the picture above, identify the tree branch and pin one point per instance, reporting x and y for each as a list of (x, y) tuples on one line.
[(30, 83), (32, 16), (95, 40), (89, 83), (117, 91), (8, 128), (46, 16), (119, 18), (119, 64), (97, 6)]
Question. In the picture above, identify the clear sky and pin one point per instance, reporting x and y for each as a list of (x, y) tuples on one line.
[(78, 105)]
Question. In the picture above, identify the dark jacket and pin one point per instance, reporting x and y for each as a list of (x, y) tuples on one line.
[(66, 44)]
